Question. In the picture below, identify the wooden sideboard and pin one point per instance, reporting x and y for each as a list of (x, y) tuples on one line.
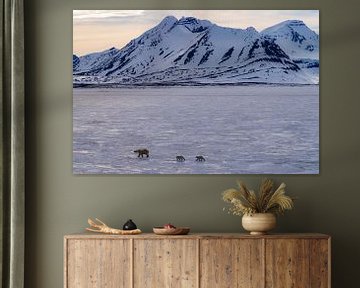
[(197, 260)]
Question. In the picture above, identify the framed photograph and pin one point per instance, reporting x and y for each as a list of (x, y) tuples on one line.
[(195, 92)]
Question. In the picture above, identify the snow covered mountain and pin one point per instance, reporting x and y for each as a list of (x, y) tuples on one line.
[(295, 38), (192, 51), (299, 42)]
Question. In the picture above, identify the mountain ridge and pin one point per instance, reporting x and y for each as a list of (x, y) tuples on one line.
[(190, 50)]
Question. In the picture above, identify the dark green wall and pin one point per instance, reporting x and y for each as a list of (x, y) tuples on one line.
[(58, 203)]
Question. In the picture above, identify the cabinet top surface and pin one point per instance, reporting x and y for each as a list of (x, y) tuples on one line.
[(86, 235)]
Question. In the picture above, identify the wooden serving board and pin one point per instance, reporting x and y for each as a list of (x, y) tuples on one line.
[(171, 231)]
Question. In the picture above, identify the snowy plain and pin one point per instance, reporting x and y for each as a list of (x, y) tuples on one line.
[(257, 129)]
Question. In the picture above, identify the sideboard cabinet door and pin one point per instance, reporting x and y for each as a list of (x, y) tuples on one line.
[(297, 263), (320, 263), (98, 263), (231, 263), (287, 263), (167, 263)]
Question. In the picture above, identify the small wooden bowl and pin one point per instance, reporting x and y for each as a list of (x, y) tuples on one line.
[(171, 231)]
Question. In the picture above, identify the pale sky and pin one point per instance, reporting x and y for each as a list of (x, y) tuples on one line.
[(98, 30)]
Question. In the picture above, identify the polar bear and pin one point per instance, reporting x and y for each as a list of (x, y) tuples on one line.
[(142, 152)]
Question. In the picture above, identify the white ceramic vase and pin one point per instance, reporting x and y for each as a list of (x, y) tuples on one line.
[(259, 223)]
